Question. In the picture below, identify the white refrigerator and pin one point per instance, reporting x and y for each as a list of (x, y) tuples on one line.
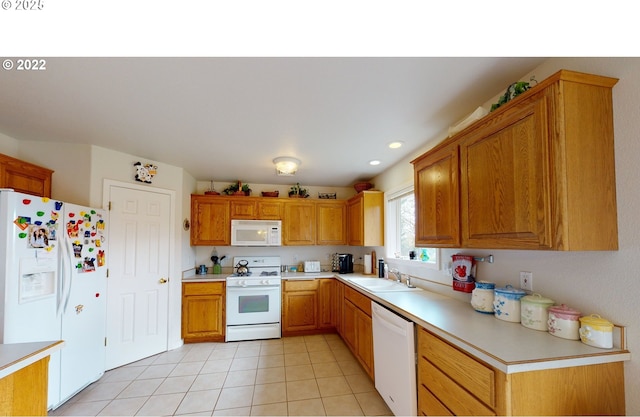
[(53, 282)]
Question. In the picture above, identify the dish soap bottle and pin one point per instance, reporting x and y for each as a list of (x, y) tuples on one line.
[(423, 255)]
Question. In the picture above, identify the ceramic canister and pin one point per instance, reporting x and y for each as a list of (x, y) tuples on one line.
[(506, 303), (482, 297), (564, 322), (534, 311), (596, 331)]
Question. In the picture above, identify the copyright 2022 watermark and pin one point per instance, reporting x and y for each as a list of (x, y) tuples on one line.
[(22, 4), (30, 64)]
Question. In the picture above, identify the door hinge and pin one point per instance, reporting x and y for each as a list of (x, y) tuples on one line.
[(107, 272), (105, 341), (109, 205)]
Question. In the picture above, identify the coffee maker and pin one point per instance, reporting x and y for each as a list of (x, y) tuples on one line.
[(345, 263)]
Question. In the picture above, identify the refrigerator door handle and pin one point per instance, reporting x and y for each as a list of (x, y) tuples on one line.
[(66, 273)]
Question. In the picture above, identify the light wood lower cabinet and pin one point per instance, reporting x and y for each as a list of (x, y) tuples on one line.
[(24, 392), (357, 329), (451, 382), (203, 307), (307, 306)]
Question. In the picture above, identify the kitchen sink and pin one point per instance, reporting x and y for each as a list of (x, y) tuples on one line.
[(380, 284)]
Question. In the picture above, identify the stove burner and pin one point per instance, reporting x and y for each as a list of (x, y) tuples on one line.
[(269, 274)]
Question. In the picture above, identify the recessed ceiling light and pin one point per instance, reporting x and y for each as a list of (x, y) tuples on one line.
[(374, 162), (395, 145)]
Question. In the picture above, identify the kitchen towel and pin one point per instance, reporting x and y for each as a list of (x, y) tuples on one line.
[(367, 264)]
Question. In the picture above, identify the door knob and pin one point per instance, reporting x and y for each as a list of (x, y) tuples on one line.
[(163, 280)]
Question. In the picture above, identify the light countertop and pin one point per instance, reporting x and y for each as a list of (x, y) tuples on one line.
[(509, 347), (15, 356)]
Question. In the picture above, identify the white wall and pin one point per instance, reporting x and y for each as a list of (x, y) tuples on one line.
[(71, 164), (605, 283)]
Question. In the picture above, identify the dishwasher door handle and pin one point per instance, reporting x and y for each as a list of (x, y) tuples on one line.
[(379, 316)]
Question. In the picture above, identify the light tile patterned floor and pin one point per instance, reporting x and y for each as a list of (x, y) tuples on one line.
[(311, 375)]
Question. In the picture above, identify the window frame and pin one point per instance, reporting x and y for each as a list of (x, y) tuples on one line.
[(392, 220)]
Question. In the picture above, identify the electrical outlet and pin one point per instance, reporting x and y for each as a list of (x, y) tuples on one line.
[(526, 280)]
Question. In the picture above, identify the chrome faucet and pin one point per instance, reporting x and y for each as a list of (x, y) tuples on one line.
[(397, 274)]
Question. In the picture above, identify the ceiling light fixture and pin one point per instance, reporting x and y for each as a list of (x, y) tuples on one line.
[(397, 144), (374, 162), (286, 165)]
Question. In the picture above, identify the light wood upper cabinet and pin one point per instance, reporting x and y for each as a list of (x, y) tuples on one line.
[(24, 177), (438, 198), (243, 209), (210, 222), (269, 209), (299, 223), (538, 173), (331, 223), (365, 214)]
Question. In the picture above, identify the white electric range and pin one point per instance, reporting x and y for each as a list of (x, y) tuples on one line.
[(253, 299)]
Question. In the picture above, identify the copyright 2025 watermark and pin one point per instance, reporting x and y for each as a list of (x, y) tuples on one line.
[(23, 5), (26, 64)]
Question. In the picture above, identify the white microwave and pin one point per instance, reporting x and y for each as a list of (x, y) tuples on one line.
[(256, 232)]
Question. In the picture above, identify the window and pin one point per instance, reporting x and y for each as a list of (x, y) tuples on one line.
[(401, 221)]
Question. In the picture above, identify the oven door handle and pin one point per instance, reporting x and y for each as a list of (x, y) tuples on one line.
[(255, 287)]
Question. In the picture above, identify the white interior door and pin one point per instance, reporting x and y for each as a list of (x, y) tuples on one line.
[(137, 304)]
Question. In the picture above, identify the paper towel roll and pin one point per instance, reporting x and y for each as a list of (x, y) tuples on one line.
[(367, 264)]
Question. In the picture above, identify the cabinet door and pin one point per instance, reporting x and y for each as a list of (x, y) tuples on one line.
[(203, 312), (299, 225), (332, 223), (243, 209), (24, 177), (364, 337), (210, 223), (349, 324), (326, 294), (269, 210), (300, 311), (505, 180), (365, 214), (355, 221), (437, 199)]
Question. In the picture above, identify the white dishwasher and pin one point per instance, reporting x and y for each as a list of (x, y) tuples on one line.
[(394, 358)]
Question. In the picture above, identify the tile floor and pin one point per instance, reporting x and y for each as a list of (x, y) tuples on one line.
[(311, 375)]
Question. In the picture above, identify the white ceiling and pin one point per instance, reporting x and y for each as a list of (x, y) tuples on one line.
[(227, 118)]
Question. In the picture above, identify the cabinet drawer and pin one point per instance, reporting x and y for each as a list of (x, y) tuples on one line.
[(359, 300), (461, 368), (452, 395), (203, 288), (304, 285), (429, 405)]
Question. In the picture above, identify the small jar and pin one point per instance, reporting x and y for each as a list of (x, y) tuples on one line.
[(506, 303), (564, 322), (482, 297), (534, 312), (596, 331)]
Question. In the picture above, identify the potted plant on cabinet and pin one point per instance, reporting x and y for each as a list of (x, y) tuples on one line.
[(297, 191), (237, 189)]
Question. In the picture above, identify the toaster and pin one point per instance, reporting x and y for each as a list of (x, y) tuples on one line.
[(311, 266)]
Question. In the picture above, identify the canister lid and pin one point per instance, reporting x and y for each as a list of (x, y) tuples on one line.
[(537, 299), (595, 320), (485, 285), (510, 290), (565, 310)]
